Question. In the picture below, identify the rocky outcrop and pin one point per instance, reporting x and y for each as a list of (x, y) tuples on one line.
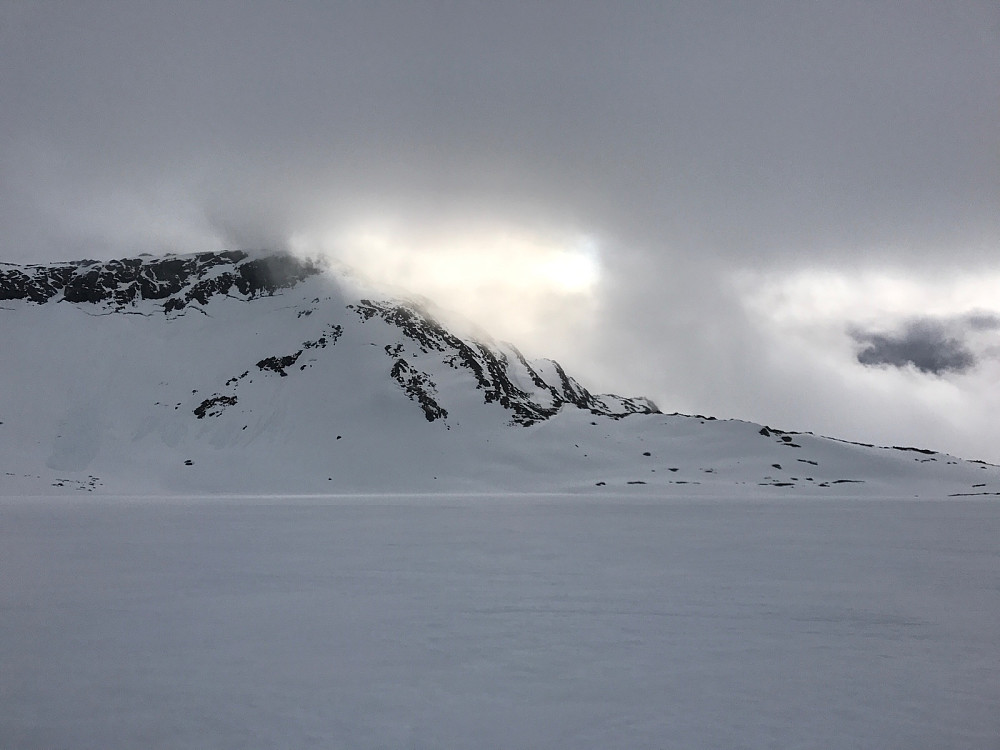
[(177, 280), (530, 391), (497, 373)]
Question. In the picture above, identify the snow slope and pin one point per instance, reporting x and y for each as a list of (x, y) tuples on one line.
[(256, 373)]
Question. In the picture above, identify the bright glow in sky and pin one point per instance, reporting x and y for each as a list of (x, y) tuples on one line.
[(513, 281)]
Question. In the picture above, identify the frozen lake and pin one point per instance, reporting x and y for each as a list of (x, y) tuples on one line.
[(499, 622)]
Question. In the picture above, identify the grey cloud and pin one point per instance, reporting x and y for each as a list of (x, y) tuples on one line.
[(755, 132), (983, 321), (932, 346), (695, 140)]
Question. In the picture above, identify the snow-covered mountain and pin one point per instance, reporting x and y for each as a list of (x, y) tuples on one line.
[(265, 373)]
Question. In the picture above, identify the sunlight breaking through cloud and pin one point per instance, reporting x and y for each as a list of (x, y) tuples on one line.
[(513, 281)]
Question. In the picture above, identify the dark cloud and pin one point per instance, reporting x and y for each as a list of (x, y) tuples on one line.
[(756, 132), (932, 346), (983, 321)]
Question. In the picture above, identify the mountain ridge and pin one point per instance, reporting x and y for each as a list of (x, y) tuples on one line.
[(177, 279), (263, 372)]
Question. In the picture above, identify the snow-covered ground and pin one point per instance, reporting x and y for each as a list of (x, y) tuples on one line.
[(499, 622), (318, 389)]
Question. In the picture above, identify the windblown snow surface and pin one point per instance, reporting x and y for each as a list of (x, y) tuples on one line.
[(245, 505), (499, 621)]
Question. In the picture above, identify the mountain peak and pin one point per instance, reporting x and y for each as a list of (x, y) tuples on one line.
[(267, 373)]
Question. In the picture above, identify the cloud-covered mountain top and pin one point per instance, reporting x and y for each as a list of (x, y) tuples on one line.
[(265, 373)]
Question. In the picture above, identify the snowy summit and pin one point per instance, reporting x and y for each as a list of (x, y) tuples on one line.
[(262, 373)]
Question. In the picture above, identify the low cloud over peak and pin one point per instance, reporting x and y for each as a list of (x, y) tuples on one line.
[(686, 199)]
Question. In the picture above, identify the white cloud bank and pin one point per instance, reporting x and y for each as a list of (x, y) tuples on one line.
[(528, 285), (820, 332)]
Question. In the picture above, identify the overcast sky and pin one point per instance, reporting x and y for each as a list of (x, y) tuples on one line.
[(784, 212)]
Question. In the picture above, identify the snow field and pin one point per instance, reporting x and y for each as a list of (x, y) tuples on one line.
[(499, 621)]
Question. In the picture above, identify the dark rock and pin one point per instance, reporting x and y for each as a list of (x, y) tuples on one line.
[(177, 280), (420, 388), (278, 364), (492, 369), (915, 450), (214, 406)]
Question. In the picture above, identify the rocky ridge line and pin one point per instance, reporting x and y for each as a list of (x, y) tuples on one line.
[(176, 281)]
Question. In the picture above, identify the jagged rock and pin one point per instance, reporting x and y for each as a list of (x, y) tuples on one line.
[(530, 391), (420, 388), (278, 364), (494, 371), (177, 280), (212, 407)]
